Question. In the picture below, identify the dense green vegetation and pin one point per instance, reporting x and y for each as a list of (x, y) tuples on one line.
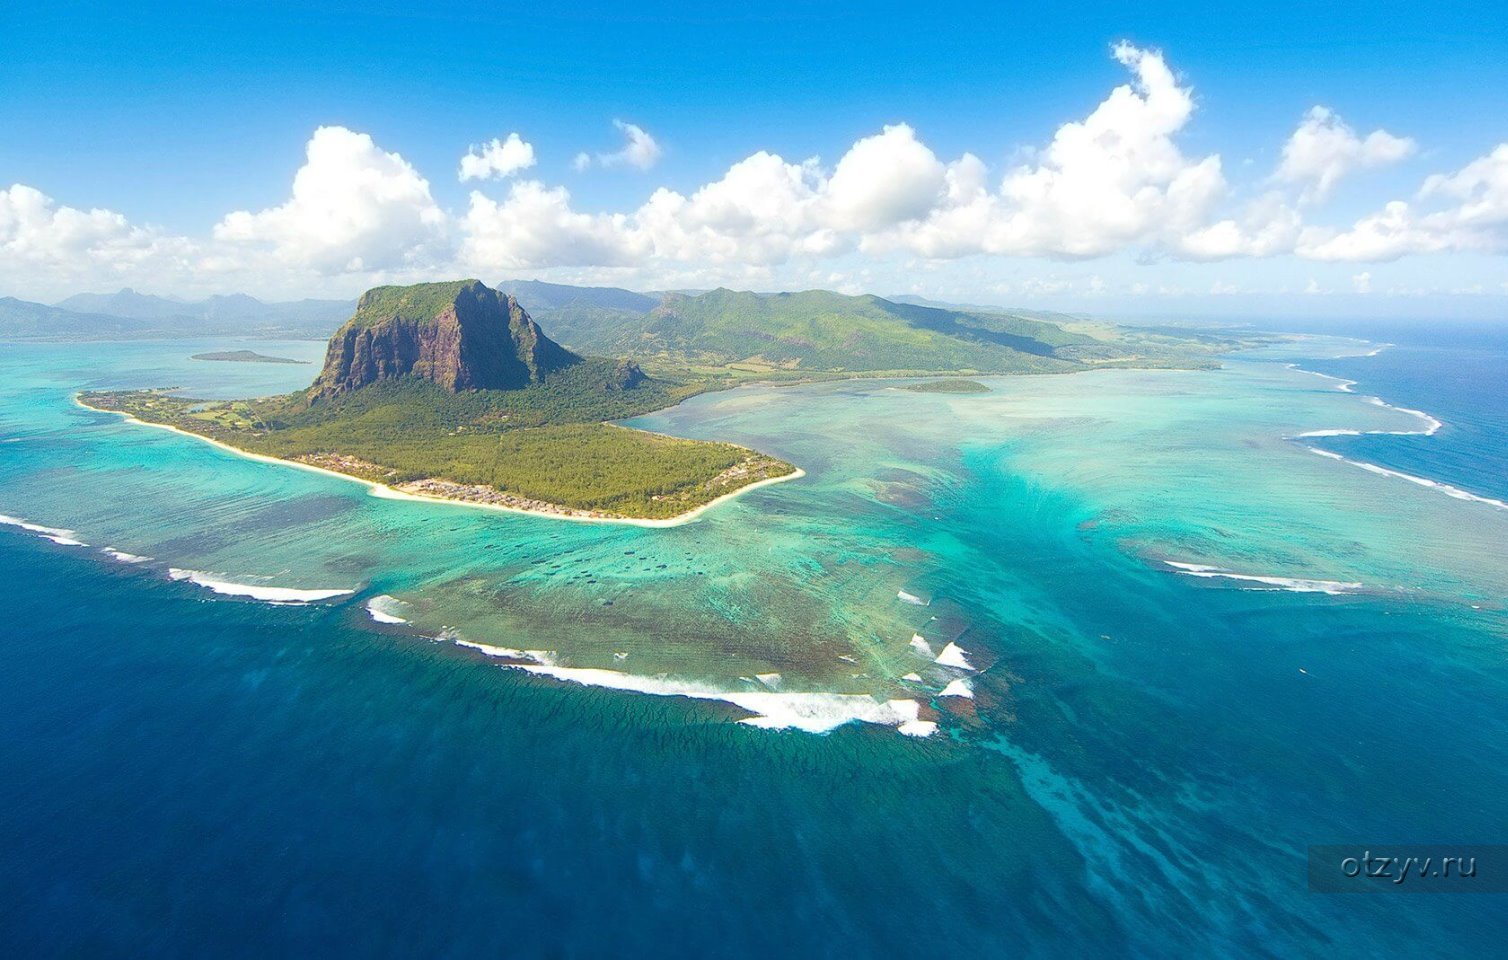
[(539, 295), (416, 302), (586, 392), (546, 443), (947, 386), (816, 331)]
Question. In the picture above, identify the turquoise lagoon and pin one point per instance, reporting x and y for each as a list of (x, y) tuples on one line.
[(1084, 663)]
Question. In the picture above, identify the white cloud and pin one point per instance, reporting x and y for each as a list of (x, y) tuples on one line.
[(1362, 282), (47, 246), (500, 158), (1114, 183), (354, 208), (639, 150), (1268, 227), (1112, 180), (884, 180), (762, 211), (1324, 149), (1456, 212), (536, 227), (1480, 187)]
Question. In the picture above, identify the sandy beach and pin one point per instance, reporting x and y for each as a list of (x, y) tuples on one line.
[(386, 492)]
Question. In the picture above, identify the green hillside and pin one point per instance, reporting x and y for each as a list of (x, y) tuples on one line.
[(818, 331)]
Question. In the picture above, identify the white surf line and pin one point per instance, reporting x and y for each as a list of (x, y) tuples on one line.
[(1289, 584), (229, 588), (771, 709), (59, 536), (385, 492), (1432, 426), (808, 712), (384, 609), (123, 556), (1445, 488)]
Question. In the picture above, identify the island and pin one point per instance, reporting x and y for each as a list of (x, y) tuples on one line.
[(451, 391), (243, 356)]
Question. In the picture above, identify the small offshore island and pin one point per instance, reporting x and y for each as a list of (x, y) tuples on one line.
[(243, 356), (450, 391)]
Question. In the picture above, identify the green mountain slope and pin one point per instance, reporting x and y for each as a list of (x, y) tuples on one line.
[(538, 295), (25, 320), (821, 331)]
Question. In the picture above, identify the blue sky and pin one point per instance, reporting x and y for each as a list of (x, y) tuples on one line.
[(165, 140)]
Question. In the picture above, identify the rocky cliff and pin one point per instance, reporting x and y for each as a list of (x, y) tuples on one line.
[(462, 335)]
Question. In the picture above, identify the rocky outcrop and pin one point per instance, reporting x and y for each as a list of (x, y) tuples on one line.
[(461, 335)]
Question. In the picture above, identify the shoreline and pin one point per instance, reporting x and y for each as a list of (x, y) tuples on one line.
[(384, 492)]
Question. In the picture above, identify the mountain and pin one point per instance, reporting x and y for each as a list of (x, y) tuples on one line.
[(554, 296), (461, 335), (233, 314), (126, 303), (821, 331), (24, 320)]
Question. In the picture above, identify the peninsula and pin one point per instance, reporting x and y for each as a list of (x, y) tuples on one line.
[(451, 391)]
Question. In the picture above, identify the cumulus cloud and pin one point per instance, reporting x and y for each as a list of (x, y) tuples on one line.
[(536, 227), (884, 180), (640, 150), (46, 245), (1456, 212), (354, 208), (500, 158), (1325, 149), (1269, 226), (1480, 189), (763, 211), (1113, 179)]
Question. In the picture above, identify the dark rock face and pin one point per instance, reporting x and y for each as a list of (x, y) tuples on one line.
[(477, 339), (626, 376)]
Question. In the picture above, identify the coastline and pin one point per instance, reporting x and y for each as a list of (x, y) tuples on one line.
[(385, 492)]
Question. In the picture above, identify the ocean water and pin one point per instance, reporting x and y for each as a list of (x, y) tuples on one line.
[(1191, 647)]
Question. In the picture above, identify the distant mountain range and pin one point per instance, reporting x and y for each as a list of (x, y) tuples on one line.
[(130, 314)]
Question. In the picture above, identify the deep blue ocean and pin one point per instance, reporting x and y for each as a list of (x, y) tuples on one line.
[(1459, 374), (188, 775)]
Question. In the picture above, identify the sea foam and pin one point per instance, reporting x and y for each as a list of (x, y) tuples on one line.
[(1290, 584), (1445, 488), (280, 595), (954, 656), (958, 688), (57, 535), (809, 712), (1432, 425), (123, 556), (385, 609)]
